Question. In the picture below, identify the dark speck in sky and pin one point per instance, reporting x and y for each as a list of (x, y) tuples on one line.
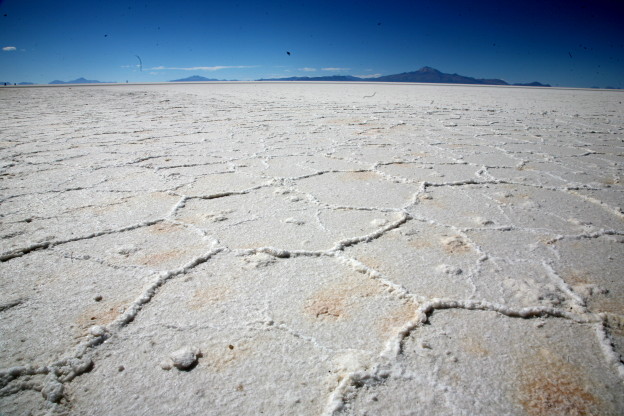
[(288, 53)]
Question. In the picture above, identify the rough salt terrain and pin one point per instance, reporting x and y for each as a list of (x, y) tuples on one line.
[(311, 249)]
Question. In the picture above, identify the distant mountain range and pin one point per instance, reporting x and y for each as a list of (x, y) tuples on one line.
[(326, 78), (194, 78), (425, 74), (81, 81)]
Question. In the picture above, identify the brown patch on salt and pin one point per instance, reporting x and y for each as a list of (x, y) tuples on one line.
[(397, 318), (164, 228), (549, 385), (162, 195), (456, 245), (156, 259), (428, 200), (208, 295), (576, 277), (606, 303), (371, 262), (335, 300), (610, 181), (220, 356), (598, 299), (474, 346), (526, 166), (359, 176), (547, 240), (101, 313), (420, 243)]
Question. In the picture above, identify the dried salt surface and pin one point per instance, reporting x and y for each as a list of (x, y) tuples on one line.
[(308, 249)]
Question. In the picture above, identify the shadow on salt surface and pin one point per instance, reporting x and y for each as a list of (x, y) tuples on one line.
[(487, 364), (263, 325), (279, 218), (57, 292)]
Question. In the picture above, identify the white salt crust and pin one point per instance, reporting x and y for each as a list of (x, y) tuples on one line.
[(367, 170)]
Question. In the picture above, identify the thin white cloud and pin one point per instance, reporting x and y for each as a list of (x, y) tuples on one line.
[(368, 76), (307, 69), (201, 68), (335, 69), (9, 48)]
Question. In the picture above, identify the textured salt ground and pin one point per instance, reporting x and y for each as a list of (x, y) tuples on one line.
[(442, 250)]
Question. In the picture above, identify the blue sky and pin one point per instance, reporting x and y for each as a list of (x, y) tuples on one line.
[(564, 43)]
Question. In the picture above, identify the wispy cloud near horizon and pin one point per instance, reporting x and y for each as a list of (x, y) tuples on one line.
[(307, 69), (335, 69), (9, 48), (201, 68)]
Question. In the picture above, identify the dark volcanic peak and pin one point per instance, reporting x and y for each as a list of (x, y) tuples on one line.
[(194, 78), (428, 74), (532, 84)]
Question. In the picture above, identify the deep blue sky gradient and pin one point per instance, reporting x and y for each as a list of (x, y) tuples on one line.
[(564, 43)]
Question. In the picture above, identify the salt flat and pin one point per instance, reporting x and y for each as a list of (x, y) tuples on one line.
[(311, 249)]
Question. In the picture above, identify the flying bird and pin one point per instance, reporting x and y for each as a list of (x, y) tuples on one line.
[(570, 54), (288, 53)]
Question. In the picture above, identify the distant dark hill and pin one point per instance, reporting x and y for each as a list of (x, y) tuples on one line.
[(532, 84), (194, 78), (425, 74), (81, 81), (326, 78), (428, 74), (25, 83)]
